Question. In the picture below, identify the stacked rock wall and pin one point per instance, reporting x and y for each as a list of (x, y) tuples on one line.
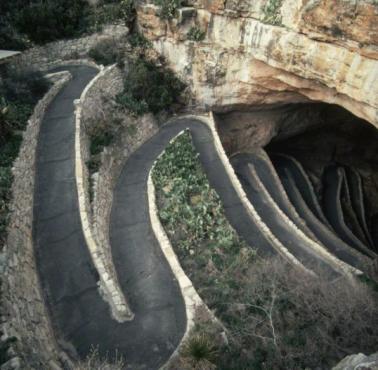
[(26, 327)]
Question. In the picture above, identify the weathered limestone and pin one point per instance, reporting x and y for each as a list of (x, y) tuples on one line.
[(358, 362), (24, 314), (243, 61)]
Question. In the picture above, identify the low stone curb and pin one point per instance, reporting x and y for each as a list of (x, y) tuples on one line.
[(191, 298), (280, 248), (312, 191), (340, 216), (108, 284), (264, 156), (337, 264)]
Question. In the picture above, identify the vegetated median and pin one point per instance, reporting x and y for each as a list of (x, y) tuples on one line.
[(276, 317), (147, 88)]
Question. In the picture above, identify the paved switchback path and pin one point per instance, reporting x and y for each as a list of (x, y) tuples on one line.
[(68, 277), (79, 315)]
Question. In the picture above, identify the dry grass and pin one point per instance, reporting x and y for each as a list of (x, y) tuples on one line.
[(95, 361)]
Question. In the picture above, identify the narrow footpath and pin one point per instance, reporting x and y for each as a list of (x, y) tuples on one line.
[(81, 318)]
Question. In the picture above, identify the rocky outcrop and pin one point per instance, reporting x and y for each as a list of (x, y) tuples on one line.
[(358, 362), (309, 53)]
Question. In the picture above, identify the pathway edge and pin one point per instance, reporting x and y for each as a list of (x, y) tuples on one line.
[(109, 286)]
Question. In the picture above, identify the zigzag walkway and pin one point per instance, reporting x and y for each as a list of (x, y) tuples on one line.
[(79, 315), (333, 179), (301, 194), (251, 170), (354, 183)]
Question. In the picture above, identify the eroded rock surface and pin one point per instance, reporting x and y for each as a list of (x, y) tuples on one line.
[(318, 50), (358, 362)]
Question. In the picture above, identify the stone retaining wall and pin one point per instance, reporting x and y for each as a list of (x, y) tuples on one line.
[(192, 299), (57, 52), (96, 104), (24, 315), (108, 282)]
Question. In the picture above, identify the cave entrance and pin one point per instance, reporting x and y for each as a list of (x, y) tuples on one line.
[(318, 135)]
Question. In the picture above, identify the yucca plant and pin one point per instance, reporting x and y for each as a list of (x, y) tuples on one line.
[(201, 352)]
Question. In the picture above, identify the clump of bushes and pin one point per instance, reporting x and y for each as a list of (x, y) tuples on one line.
[(99, 138), (272, 12), (149, 88), (137, 40), (19, 92), (276, 317), (196, 34), (168, 8), (128, 12), (201, 351), (108, 12), (94, 361), (107, 51), (49, 20), (190, 205)]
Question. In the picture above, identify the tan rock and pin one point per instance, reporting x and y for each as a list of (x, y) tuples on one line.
[(243, 61)]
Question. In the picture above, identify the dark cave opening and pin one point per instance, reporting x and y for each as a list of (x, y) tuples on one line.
[(317, 135)]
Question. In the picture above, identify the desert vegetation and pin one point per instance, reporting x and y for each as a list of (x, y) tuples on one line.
[(94, 361), (168, 8), (149, 88), (23, 24), (196, 34), (275, 316), (20, 89)]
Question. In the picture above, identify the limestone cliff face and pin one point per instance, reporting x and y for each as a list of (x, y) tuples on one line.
[(271, 51)]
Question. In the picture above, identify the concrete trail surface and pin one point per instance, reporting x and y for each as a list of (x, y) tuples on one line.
[(80, 317)]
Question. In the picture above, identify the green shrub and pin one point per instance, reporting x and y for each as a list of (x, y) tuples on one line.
[(50, 20), (22, 85), (42, 21), (201, 350), (168, 8), (138, 40), (106, 52), (128, 12), (127, 100), (149, 88), (99, 141), (190, 204), (19, 92), (131, 130), (110, 13), (196, 34), (272, 14), (20, 89), (276, 317)]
